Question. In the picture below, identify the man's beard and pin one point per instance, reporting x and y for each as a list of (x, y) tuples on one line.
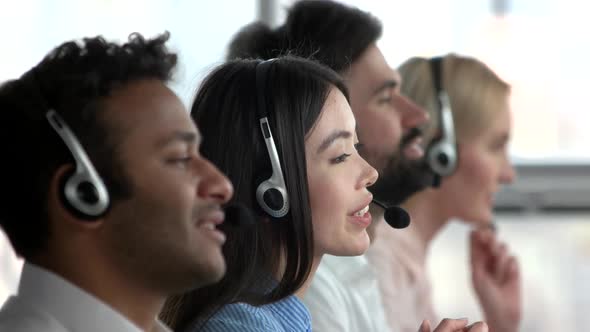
[(401, 178)]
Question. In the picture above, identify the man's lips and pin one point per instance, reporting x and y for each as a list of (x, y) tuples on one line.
[(413, 150), (411, 146)]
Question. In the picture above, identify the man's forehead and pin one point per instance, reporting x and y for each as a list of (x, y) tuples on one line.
[(373, 71), (149, 105), (372, 59)]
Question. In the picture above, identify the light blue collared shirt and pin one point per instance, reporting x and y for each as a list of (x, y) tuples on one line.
[(287, 315)]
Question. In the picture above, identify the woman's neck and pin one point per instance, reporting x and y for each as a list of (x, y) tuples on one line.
[(300, 293)]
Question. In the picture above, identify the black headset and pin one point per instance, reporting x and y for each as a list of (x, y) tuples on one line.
[(83, 191), (442, 154), (271, 193)]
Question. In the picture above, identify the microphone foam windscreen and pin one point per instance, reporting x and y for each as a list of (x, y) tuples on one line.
[(397, 217)]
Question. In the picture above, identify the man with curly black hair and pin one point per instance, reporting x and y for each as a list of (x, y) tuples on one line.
[(104, 192)]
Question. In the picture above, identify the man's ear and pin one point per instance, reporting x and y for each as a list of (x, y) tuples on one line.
[(59, 208)]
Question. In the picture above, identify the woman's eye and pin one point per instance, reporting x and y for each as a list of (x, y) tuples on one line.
[(341, 158)]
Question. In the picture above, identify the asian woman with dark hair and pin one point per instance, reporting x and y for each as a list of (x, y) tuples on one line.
[(287, 119)]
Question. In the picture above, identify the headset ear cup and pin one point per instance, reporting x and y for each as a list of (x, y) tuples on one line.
[(83, 193), (442, 158), (272, 199)]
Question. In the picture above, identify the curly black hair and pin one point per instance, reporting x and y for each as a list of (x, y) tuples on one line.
[(73, 79)]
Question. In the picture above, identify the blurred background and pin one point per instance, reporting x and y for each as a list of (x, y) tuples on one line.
[(538, 46)]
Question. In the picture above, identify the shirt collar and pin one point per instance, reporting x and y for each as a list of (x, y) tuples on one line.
[(292, 314), (76, 309)]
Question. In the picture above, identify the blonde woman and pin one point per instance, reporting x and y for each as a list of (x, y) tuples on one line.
[(478, 101)]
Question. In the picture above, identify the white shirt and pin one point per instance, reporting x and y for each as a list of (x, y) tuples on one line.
[(46, 302), (399, 259), (10, 268), (344, 297)]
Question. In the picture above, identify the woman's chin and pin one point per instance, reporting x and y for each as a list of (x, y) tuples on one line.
[(362, 246), (355, 247)]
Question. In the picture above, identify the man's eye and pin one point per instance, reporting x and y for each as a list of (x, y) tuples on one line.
[(181, 161), (384, 100)]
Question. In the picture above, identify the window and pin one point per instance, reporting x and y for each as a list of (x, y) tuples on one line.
[(530, 44), (199, 32)]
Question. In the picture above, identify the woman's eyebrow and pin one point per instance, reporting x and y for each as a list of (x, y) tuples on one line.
[(333, 137)]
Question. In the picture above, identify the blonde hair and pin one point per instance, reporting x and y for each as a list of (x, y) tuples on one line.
[(475, 92)]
